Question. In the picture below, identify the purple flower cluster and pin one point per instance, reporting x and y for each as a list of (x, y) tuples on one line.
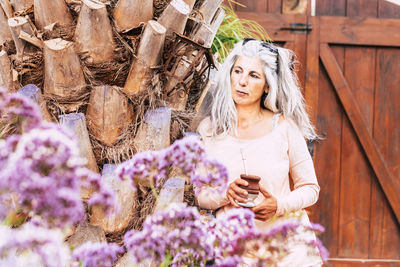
[(101, 254), (17, 105), (43, 169), (32, 245), (186, 155), (177, 231)]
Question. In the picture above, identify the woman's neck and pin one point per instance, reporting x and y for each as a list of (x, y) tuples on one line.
[(249, 115)]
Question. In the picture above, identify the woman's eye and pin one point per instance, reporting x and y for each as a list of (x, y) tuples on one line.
[(237, 71), (254, 76)]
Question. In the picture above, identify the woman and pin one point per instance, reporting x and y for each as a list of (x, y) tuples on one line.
[(258, 124)]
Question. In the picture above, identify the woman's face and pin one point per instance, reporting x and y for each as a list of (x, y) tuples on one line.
[(248, 81)]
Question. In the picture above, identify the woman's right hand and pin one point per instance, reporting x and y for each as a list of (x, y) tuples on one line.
[(235, 193)]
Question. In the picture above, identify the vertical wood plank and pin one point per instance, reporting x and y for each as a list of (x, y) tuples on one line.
[(253, 6), (388, 10), (327, 158), (355, 189), (275, 6), (330, 8), (362, 8), (356, 172), (385, 231), (312, 69)]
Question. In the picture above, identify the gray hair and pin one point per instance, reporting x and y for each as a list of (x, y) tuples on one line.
[(284, 94)]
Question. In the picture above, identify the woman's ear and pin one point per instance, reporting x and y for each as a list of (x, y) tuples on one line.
[(266, 89)]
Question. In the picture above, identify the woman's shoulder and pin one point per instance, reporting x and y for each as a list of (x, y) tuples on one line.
[(205, 127), (287, 124)]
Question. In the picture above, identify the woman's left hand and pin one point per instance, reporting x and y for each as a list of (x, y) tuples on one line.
[(267, 208)]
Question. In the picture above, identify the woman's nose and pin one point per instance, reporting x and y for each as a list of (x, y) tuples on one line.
[(243, 80)]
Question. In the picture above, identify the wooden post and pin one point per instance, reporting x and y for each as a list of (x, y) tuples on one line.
[(125, 199), (174, 17), (5, 33), (129, 14), (6, 75), (178, 97), (208, 9), (190, 3), (148, 55), (18, 24), (63, 75), (204, 33), (154, 131), (20, 5), (33, 92), (48, 12), (93, 32), (86, 233), (5, 4), (108, 114), (75, 122), (172, 192)]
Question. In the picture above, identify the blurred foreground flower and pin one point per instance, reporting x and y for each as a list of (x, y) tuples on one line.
[(41, 169), (32, 245), (186, 155), (96, 254)]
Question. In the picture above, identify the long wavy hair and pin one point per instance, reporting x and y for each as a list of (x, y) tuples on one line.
[(284, 94)]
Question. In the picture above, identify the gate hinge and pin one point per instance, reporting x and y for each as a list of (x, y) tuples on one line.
[(299, 28)]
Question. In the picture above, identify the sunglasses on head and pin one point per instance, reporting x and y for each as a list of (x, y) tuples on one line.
[(264, 44)]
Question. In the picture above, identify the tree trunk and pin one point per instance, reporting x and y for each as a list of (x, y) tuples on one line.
[(174, 17), (18, 24), (63, 74), (20, 5), (190, 3), (108, 114), (6, 75), (208, 9), (48, 12), (204, 33), (75, 122), (148, 55), (172, 192), (5, 4), (93, 32), (125, 199), (177, 97), (5, 33), (86, 233), (153, 133), (33, 92), (129, 14)]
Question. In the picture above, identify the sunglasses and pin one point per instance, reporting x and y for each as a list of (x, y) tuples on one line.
[(264, 44)]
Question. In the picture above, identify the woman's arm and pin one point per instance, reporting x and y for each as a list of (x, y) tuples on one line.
[(306, 188), (208, 198)]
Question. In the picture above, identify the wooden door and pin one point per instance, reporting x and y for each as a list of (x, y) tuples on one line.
[(352, 86)]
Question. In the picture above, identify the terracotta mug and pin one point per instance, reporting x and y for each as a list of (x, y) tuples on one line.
[(253, 189)]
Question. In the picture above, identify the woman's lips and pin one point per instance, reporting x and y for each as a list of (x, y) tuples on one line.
[(241, 93)]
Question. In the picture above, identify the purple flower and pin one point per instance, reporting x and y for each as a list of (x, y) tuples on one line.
[(18, 105), (42, 170), (321, 248), (186, 156), (177, 231), (96, 254), (34, 245)]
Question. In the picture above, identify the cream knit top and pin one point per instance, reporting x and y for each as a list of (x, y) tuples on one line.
[(276, 157)]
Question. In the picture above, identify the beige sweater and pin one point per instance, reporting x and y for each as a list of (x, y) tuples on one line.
[(275, 157)]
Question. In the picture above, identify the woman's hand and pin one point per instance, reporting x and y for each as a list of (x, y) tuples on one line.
[(267, 208), (235, 193)]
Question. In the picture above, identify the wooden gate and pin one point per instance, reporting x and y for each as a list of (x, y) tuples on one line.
[(350, 72)]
